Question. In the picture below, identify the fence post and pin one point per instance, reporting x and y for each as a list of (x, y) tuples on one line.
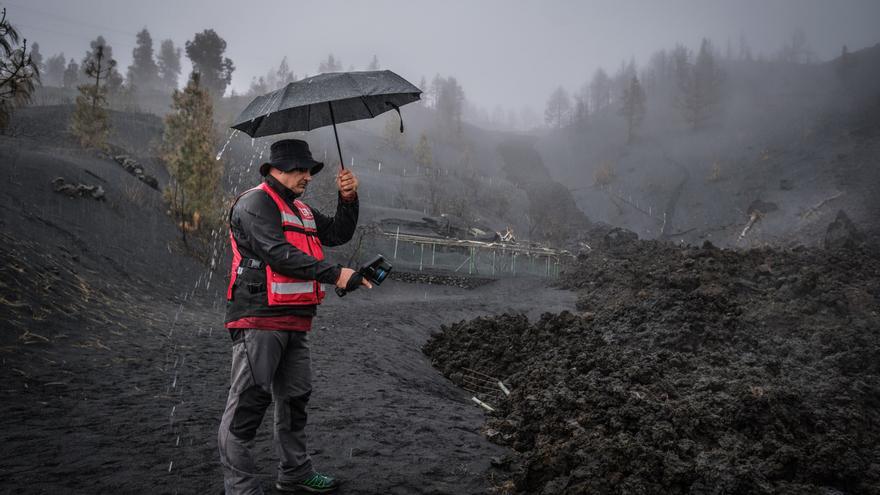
[(396, 240), (421, 256), (433, 248), (513, 263), (493, 262)]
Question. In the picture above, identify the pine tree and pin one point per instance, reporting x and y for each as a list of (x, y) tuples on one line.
[(600, 91), (680, 58), (433, 186), (19, 75), (54, 75), (331, 64), (37, 58), (195, 195), (168, 62), (700, 87), (113, 79), (71, 74), (433, 90), (558, 108), (90, 123), (143, 71), (284, 75), (205, 52), (394, 139), (622, 79), (633, 109), (259, 86), (581, 112), (423, 153), (449, 104)]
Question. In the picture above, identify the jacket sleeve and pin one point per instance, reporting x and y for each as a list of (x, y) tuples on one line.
[(338, 229), (256, 223)]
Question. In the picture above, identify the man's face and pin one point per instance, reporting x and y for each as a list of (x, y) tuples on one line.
[(296, 180)]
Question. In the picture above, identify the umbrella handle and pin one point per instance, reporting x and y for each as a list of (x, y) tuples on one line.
[(338, 148), (399, 116)]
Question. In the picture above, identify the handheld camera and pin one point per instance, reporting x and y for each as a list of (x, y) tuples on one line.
[(375, 271)]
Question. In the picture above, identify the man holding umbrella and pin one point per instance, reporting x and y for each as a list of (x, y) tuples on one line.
[(278, 269)]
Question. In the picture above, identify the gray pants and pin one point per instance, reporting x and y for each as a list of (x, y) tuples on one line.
[(267, 365)]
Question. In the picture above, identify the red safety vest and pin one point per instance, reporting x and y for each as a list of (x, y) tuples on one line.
[(299, 230)]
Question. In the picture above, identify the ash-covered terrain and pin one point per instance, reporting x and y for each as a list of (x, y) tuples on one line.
[(688, 370)]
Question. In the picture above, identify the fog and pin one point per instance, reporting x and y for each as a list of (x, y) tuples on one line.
[(660, 218), (511, 54), (525, 108)]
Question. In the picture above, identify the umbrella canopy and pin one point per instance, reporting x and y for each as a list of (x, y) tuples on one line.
[(326, 99)]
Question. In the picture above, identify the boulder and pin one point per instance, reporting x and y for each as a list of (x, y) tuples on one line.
[(842, 233)]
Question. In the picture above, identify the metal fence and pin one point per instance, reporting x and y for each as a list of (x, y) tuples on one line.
[(495, 259)]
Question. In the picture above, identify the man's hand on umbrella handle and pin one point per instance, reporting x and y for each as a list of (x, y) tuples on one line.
[(347, 184), (345, 276)]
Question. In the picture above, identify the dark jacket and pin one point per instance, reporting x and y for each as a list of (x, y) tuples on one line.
[(255, 223)]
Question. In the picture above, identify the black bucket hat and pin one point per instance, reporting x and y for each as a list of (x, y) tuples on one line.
[(290, 154)]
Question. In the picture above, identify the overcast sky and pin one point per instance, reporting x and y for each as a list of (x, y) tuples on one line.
[(509, 53)]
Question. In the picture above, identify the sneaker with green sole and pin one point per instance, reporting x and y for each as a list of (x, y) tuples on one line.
[(316, 483)]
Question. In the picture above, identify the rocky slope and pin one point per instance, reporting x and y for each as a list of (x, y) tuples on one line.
[(689, 370)]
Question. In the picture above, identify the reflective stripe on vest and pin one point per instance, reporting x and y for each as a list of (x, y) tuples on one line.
[(293, 287), (291, 218)]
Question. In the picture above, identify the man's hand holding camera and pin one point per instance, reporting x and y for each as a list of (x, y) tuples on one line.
[(349, 276)]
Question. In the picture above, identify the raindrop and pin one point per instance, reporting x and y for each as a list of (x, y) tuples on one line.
[(222, 150)]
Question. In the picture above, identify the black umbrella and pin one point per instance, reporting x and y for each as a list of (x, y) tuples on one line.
[(326, 99)]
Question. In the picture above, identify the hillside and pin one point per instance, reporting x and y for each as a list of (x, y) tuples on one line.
[(794, 143)]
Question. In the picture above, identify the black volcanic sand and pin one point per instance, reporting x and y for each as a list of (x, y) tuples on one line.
[(689, 370), (119, 388)]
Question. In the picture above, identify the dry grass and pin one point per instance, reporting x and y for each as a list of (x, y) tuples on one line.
[(135, 192), (92, 344), (29, 337)]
